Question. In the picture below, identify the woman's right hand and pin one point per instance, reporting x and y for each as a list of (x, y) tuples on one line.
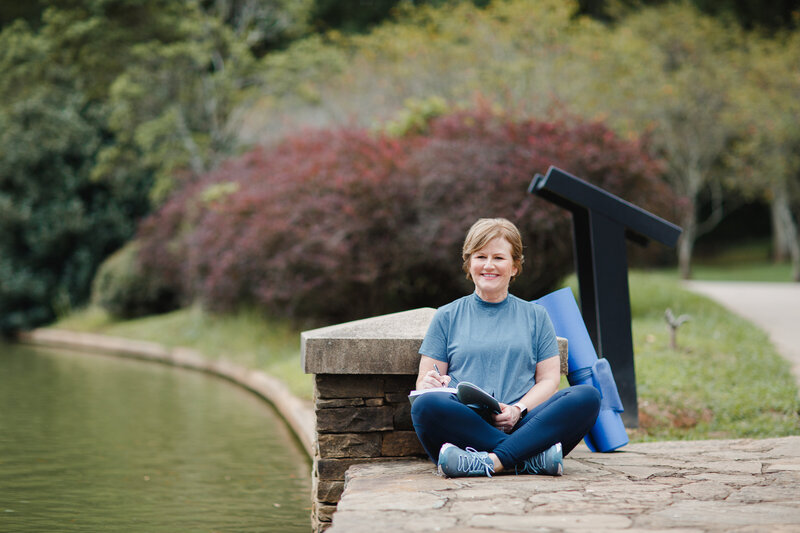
[(432, 373), (432, 379)]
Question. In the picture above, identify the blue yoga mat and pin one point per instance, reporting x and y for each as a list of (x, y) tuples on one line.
[(584, 367)]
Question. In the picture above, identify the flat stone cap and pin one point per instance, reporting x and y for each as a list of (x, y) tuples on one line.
[(387, 344)]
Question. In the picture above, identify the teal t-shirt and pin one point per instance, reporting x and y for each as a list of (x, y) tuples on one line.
[(493, 345)]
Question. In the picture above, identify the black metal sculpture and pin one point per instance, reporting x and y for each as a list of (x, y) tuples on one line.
[(601, 222)]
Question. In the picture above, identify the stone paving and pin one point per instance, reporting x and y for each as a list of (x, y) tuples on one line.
[(684, 486)]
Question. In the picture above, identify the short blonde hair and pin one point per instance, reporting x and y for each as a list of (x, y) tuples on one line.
[(486, 229)]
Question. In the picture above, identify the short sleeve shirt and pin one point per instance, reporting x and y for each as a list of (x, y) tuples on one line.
[(493, 345)]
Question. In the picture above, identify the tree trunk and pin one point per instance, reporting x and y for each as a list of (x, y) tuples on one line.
[(787, 224), (780, 240), (686, 243), (793, 241)]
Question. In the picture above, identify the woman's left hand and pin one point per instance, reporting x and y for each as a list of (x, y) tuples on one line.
[(507, 419)]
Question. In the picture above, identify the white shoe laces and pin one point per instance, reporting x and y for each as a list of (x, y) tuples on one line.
[(533, 465), (472, 460)]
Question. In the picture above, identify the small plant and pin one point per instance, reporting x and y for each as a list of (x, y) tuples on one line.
[(674, 323)]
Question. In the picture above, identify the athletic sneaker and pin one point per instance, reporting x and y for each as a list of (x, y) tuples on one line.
[(455, 462), (550, 462)]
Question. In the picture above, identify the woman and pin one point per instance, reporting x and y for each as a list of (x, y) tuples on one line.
[(506, 346)]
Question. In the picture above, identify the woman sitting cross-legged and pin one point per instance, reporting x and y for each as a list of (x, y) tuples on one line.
[(506, 346)]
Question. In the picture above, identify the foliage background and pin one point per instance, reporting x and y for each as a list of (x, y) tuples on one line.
[(288, 160), (112, 109)]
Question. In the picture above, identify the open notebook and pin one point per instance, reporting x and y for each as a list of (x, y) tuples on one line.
[(468, 393)]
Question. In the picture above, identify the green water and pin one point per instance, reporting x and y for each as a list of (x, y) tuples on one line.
[(94, 443)]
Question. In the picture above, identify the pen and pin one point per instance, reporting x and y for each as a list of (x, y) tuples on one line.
[(436, 367)]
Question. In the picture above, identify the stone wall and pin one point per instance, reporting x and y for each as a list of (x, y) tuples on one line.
[(363, 372)]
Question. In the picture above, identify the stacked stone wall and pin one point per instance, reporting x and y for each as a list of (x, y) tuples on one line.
[(360, 419)]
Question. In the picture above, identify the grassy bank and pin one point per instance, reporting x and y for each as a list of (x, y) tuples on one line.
[(245, 338), (745, 261), (724, 380)]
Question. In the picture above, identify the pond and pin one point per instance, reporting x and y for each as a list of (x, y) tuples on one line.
[(96, 443)]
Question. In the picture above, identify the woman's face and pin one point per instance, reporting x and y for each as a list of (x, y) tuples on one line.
[(491, 269)]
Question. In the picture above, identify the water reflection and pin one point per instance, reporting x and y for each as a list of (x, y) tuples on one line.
[(92, 443)]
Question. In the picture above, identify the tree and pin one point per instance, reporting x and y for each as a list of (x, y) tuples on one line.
[(672, 70), (767, 154), (169, 75), (56, 224), (263, 25), (516, 53), (173, 109), (106, 97)]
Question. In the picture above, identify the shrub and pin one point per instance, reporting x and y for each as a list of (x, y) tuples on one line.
[(122, 288), (341, 224)]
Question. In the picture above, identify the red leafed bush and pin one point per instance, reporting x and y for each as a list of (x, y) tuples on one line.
[(342, 224)]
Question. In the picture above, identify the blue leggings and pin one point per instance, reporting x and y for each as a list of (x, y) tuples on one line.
[(566, 417)]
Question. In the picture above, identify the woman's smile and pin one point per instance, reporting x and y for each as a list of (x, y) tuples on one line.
[(491, 269)]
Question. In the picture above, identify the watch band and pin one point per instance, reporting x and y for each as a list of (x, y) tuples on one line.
[(522, 408)]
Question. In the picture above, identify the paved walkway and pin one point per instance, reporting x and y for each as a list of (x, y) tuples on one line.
[(774, 307), (696, 486)]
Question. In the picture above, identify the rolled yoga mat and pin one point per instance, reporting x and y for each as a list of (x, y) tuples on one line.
[(583, 367)]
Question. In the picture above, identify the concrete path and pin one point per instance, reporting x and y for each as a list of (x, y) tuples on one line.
[(774, 307), (694, 486)]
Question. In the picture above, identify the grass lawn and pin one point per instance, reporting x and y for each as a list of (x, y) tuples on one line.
[(724, 380), (747, 261)]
